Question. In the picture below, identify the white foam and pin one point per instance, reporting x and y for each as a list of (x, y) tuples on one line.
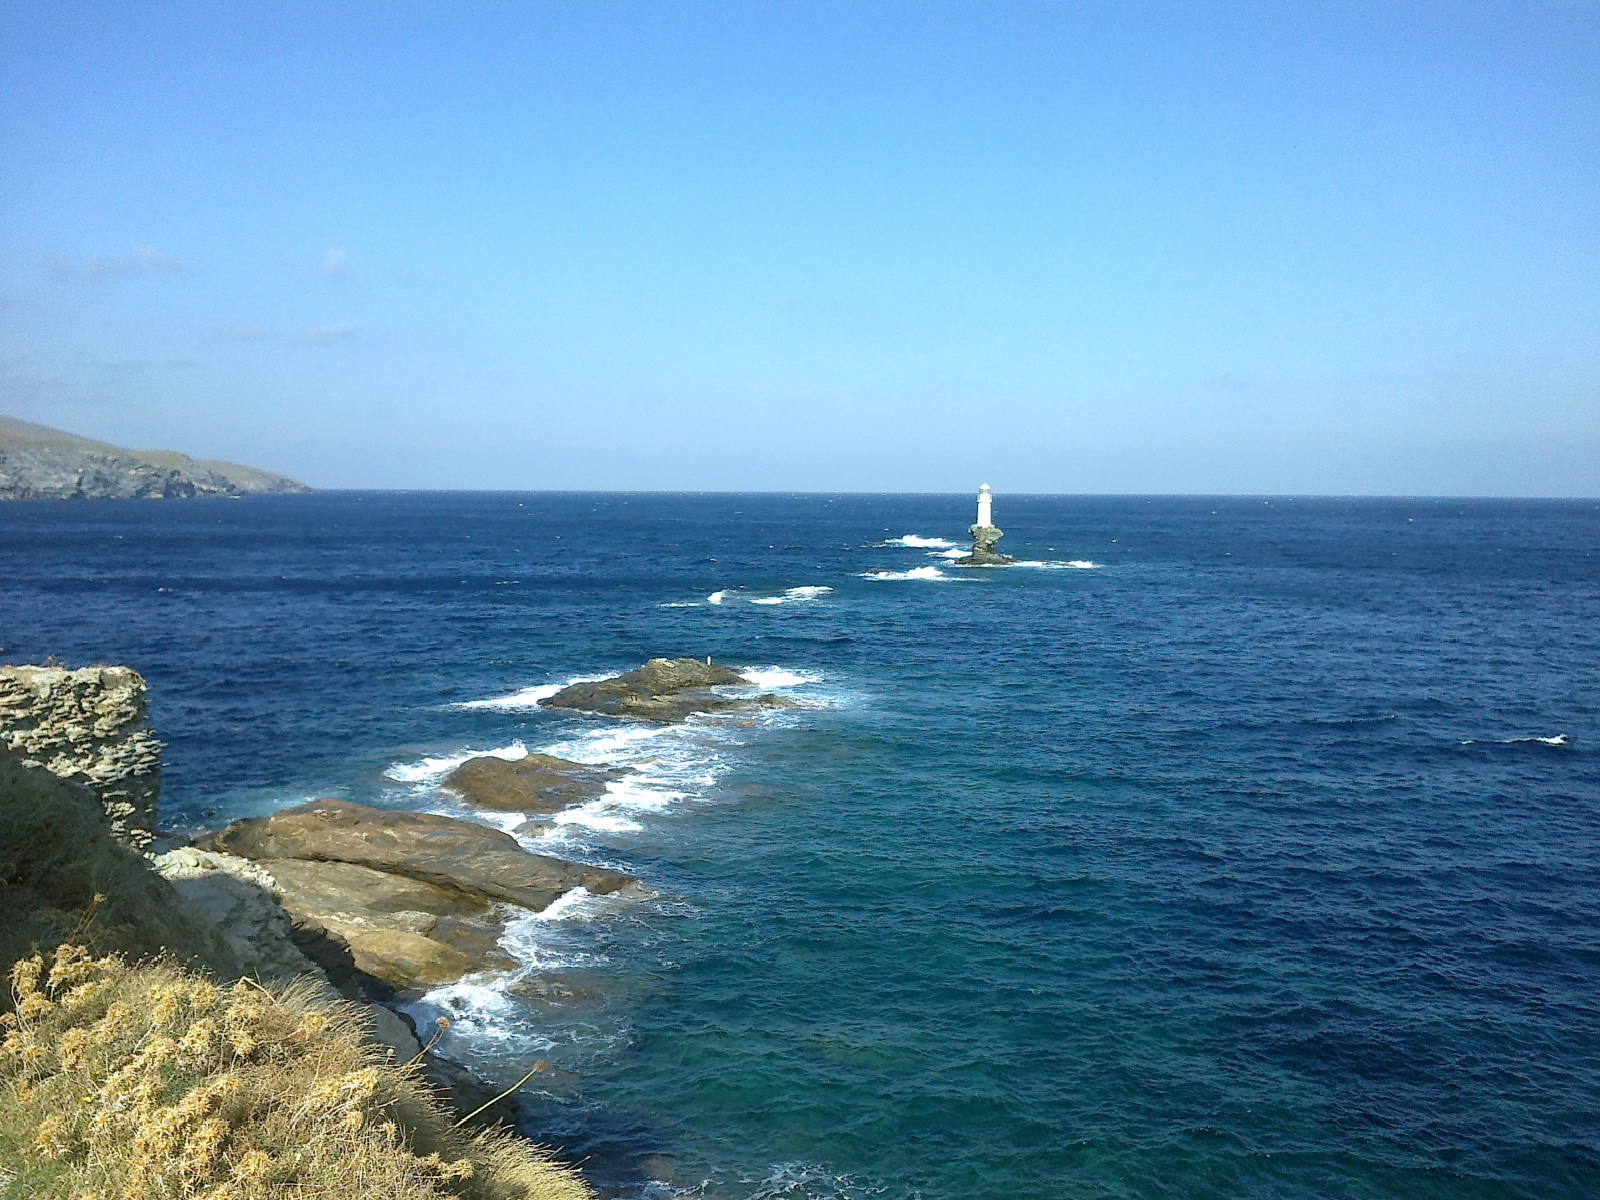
[(770, 678), (933, 573), (790, 596), (429, 770), (1560, 739), (482, 1012), (596, 818), (1076, 564), (639, 792), (528, 697), (918, 542), (566, 906), (958, 552), (610, 743), (680, 604)]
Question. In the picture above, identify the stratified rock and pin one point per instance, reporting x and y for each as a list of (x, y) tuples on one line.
[(408, 933), (63, 876), (235, 897), (661, 691), (539, 783), (474, 860), (984, 554), (40, 463), (88, 726)]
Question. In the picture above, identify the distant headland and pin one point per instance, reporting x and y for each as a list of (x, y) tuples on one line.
[(40, 463)]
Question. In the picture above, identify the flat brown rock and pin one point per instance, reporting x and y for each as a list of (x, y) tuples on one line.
[(405, 932), (461, 856), (539, 783), (661, 691)]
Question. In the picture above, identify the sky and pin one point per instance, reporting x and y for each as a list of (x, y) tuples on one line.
[(1119, 247)]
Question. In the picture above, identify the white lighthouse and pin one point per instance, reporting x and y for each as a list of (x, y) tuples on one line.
[(985, 536)]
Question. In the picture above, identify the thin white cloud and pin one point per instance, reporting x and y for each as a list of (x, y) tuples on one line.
[(336, 264), (341, 332), (323, 337), (245, 333), (144, 260)]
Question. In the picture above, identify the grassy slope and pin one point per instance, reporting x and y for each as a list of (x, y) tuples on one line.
[(142, 1082)]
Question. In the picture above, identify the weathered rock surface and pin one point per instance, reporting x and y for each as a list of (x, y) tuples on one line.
[(662, 691), (408, 933), (238, 900), (40, 463), (985, 539), (64, 876), (539, 783), (88, 726), (414, 897)]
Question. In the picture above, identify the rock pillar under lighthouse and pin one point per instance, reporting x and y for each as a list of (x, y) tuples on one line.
[(985, 536)]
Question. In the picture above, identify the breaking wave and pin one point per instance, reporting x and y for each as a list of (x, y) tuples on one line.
[(433, 769), (788, 596), (1559, 739), (917, 542), (930, 573)]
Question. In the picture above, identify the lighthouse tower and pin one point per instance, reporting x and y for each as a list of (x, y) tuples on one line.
[(985, 535)]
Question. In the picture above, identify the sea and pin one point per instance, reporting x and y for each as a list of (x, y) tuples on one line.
[(1230, 847)]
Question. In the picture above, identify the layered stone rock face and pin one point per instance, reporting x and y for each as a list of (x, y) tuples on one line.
[(416, 897), (985, 552), (63, 875), (88, 726), (662, 691), (40, 463)]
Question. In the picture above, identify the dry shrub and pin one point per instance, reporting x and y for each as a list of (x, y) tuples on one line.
[(123, 1082), (63, 876)]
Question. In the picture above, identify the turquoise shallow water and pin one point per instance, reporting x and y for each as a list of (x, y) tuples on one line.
[(1260, 858)]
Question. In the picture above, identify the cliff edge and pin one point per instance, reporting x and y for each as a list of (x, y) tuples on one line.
[(221, 1045), (40, 463), (88, 726)]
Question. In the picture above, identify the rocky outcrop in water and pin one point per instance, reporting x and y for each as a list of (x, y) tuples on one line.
[(415, 896), (985, 539), (664, 690), (40, 463), (88, 726), (538, 784)]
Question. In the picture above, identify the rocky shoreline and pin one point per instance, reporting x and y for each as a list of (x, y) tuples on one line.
[(374, 906)]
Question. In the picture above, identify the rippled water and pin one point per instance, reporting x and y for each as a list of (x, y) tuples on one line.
[(1239, 848)]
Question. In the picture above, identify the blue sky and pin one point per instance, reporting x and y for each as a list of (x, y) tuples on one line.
[(1109, 247)]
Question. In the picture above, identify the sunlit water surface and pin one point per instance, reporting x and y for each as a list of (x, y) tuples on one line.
[(1233, 848)]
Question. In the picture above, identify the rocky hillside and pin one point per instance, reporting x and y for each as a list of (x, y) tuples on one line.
[(40, 463)]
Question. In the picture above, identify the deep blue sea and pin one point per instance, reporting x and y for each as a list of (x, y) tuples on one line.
[(1236, 848)]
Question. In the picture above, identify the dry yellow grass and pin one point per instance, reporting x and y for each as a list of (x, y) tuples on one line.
[(123, 1082)]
